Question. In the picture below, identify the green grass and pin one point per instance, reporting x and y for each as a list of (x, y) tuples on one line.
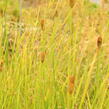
[(36, 63)]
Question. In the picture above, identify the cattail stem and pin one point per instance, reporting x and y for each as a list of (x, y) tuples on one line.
[(20, 14)]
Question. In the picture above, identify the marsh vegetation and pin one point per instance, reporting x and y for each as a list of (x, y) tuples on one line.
[(54, 54)]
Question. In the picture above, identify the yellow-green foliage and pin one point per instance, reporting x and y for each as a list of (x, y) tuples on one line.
[(54, 56)]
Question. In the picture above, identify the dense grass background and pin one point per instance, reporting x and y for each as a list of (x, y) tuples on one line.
[(49, 58)]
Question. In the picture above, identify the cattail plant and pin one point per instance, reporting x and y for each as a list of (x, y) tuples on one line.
[(5, 39)]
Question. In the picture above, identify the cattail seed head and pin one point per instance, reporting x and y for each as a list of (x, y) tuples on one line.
[(56, 14), (42, 23), (71, 84), (71, 3), (1, 65), (99, 42), (42, 56)]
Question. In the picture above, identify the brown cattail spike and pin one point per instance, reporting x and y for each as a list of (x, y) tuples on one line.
[(99, 42), (42, 24), (56, 14), (42, 56), (71, 84), (71, 3), (1, 65)]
